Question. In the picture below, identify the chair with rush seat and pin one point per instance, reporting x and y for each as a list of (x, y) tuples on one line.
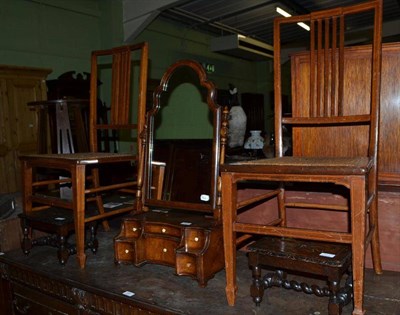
[(92, 199), (335, 124)]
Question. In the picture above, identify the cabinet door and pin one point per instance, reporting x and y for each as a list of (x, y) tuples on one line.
[(18, 124)]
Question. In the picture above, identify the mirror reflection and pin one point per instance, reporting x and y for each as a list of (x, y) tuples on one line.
[(181, 138)]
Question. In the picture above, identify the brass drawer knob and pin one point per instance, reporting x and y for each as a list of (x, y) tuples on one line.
[(126, 251), (196, 239), (165, 250), (163, 230), (134, 229)]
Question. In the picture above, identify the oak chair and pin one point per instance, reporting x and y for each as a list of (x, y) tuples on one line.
[(335, 141), (82, 171)]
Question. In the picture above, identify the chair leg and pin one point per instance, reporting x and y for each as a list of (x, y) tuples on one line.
[(281, 205), (99, 199), (375, 246)]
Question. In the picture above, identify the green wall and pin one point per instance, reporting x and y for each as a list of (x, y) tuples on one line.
[(60, 34), (170, 42)]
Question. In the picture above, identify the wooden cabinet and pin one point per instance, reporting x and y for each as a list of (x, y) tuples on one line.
[(191, 243), (356, 67), (18, 124), (253, 106)]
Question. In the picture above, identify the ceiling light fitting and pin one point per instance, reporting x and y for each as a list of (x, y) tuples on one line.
[(286, 14)]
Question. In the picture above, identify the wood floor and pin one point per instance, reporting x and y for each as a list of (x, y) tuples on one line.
[(158, 286)]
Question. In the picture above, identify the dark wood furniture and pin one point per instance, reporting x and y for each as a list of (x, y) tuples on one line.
[(58, 223), (287, 255), (253, 106), (78, 167), (344, 156), (183, 228), (56, 114)]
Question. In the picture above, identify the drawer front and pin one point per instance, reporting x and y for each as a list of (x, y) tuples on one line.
[(132, 228), (186, 264), (29, 302), (195, 239), (161, 250), (163, 229), (124, 251)]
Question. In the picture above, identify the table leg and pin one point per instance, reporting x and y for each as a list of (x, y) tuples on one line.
[(358, 218), (78, 191), (229, 194)]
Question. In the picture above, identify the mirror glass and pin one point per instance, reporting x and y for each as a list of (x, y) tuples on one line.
[(181, 136)]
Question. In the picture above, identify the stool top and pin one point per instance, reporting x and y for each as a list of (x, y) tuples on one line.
[(323, 253)]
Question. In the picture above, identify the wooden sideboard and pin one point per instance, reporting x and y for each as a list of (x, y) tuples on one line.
[(18, 124)]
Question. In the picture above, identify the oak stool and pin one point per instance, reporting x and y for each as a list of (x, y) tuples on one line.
[(322, 259)]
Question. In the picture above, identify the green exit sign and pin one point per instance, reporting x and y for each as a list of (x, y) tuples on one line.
[(209, 67)]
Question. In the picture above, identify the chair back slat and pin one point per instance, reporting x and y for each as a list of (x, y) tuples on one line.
[(326, 74), (121, 78)]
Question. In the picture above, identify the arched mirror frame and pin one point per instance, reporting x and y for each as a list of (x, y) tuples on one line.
[(148, 143)]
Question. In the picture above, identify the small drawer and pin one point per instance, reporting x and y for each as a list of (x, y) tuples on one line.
[(132, 228), (124, 251), (161, 250), (186, 264), (163, 229), (195, 239)]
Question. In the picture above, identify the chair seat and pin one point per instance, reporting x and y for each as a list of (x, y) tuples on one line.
[(305, 165)]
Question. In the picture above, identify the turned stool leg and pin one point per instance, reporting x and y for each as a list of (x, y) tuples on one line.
[(26, 243), (257, 287), (93, 243), (335, 304), (63, 251)]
